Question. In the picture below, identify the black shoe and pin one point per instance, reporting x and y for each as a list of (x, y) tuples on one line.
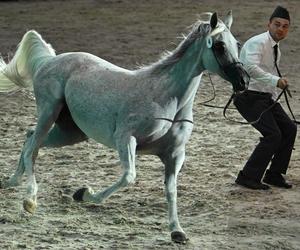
[(276, 179), (250, 183)]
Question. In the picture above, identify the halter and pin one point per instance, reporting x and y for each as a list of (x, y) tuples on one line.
[(228, 67)]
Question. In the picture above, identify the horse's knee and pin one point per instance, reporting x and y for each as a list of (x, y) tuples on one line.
[(171, 194), (171, 191)]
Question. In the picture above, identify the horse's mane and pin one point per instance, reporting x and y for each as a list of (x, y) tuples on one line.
[(199, 29)]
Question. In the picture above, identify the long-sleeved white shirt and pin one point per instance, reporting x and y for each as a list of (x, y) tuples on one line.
[(257, 55)]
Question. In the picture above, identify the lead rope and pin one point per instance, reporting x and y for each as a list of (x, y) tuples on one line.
[(288, 104), (214, 96), (284, 91), (266, 110), (255, 121)]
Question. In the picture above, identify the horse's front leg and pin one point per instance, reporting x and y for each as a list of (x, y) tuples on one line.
[(173, 162), (126, 146)]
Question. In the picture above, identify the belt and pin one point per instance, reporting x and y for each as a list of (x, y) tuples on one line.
[(257, 92)]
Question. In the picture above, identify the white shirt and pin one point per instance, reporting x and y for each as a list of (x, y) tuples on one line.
[(257, 55)]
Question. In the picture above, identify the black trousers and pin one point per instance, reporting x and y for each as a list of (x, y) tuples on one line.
[(278, 131)]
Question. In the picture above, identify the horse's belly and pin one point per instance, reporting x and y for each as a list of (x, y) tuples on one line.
[(95, 121), (100, 131)]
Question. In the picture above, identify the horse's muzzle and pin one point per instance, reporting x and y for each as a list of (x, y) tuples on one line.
[(238, 76)]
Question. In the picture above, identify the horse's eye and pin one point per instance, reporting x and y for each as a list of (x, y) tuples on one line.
[(219, 47)]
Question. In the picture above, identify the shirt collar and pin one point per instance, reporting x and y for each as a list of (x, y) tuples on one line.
[(273, 43)]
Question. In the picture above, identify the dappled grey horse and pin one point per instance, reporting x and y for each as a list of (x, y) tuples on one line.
[(147, 110)]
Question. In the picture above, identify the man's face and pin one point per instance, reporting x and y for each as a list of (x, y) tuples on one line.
[(278, 28)]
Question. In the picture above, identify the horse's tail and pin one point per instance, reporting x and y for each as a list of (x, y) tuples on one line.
[(31, 54)]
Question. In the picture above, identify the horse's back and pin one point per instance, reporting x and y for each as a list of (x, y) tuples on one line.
[(82, 61), (78, 71)]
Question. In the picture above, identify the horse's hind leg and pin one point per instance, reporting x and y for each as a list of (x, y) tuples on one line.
[(126, 148), (173, 162), (47, 114), (15, 179), (65, 132)]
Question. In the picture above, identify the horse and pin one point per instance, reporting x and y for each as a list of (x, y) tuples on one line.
[(147, 110)]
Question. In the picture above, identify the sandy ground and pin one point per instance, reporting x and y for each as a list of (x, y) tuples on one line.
[(215, 213)]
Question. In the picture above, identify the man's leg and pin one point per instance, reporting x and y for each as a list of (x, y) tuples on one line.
[(288, 130), (251, 106), (282, 156)]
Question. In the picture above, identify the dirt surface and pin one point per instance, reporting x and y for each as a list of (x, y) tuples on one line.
[(215, 213)]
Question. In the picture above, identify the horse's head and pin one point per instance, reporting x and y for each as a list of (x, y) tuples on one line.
[(221, 53)]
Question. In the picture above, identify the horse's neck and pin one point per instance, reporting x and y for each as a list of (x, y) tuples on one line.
[(181, 75)]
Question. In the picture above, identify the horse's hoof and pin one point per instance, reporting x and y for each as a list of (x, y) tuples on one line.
[(78, 195), (29, 205), (179, 237)]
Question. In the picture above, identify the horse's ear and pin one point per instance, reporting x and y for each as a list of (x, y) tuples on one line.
[(214, 21), (228, 20)]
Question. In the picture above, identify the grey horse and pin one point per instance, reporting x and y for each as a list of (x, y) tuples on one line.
[(147, 110)]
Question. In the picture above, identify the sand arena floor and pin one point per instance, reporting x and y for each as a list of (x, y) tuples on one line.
[(215, 213)]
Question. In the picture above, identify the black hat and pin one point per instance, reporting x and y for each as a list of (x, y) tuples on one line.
[(280, 12)]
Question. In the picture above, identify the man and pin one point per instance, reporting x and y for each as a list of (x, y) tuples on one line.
[(261, 56)]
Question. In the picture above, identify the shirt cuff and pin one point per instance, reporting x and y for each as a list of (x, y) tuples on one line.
[(274, 80)]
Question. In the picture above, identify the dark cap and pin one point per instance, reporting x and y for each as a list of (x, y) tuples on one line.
[(281, 13)]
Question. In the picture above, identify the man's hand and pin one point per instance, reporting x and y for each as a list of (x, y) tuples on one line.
[(282, 83)]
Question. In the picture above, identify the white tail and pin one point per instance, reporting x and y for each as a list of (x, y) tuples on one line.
[(31, 54)]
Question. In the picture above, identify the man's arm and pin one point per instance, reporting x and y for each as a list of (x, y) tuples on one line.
[(251, 55)]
